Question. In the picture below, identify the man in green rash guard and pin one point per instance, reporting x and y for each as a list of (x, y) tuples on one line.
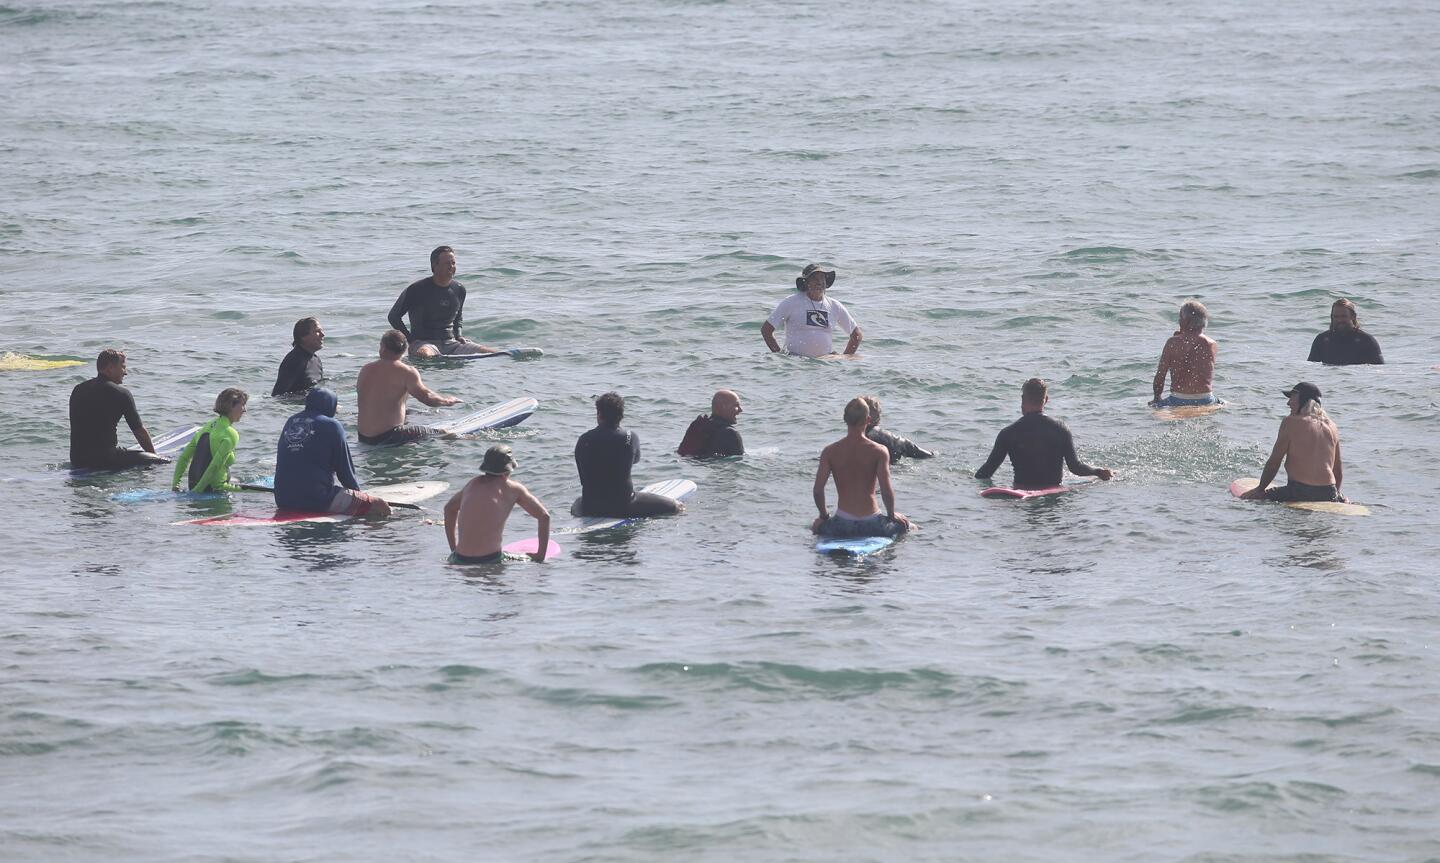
[(211, 451)]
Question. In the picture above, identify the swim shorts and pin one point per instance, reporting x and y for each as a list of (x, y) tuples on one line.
[(1294, 492), (398, 435), (470, 560), (879, 524), (349, 502), (1177, 401)]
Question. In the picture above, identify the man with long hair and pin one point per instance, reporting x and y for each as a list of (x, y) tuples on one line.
[(1309, 446), (1345, 344)]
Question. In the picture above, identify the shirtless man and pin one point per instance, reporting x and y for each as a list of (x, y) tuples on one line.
[(436, 306), (381, 390), (858, 465), (1309, 445), (1189, 360), (478, 513), (1039, 448)]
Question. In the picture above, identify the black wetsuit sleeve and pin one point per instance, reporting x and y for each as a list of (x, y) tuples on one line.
[(1316, 354), (997, 455), (897, 445), (459, 309), (1371, 351), (132, 416), (726, 441), (291, 377), (1072, 461), (634, 447), (397, 312)]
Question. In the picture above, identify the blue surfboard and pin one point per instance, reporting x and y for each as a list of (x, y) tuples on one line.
[(856, 547), (151, 495)]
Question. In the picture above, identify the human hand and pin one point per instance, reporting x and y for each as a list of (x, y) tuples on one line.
[(1254, 494), (818, 522), (537, 556), (1104, 473), (901, 520)]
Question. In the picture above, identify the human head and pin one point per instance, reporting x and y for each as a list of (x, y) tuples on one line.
[(725, 404), (1034, 394), (610, 408), (1301, 395), (1343, 315), (308, 335), (499, 460), (321, 401), (814, 281), (1193, 316), (111, 365), (874, 405), (442, 264), (229, 399), (857, 412), (393, 344)]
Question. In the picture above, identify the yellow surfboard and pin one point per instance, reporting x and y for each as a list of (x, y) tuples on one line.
[(1240, 486), (13, 362), (1185, 412)]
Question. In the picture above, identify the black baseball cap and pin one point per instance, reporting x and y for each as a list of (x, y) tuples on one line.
[(1307, 392)]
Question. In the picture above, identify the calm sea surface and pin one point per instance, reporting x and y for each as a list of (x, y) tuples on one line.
[(1143, 670)]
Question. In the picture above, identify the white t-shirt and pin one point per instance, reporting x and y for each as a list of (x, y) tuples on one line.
[(808, 323)]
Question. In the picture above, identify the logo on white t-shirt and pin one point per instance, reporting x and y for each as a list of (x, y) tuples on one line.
[(817, 318)]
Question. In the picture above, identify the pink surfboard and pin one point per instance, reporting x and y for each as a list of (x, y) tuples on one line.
[(1022, 493), (530, 546)]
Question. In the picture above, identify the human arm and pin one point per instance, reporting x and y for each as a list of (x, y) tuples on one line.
[(847, 324), (1078, 467), (1158, 385), (887, 491), (397, 312), (341, 463), (287, 379), (416, 387), (854, 344), (452, 513), (143, 438), (1316, 351), (767, 332), (532, 505), (634, 447), (997, 455), (1272, 464), (1338, 470), (183, 462), (897, 445), (1373, 351), (822, 476), (222, 456), (727, 441)]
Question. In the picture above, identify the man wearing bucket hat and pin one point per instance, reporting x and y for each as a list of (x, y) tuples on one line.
[(1309, 446), (475, 517), (808, 316)]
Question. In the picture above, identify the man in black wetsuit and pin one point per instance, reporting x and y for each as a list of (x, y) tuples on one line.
[(897, 445), (604, 456), (301, 371), (1038, 446), (436, 306), (95, 407), (1345, 344), (715, 435)]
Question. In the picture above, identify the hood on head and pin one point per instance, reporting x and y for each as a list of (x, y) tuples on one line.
[(321, 401)]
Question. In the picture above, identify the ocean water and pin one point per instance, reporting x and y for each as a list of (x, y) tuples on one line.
[(1142, 670)]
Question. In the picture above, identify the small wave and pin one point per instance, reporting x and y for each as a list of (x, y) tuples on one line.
[(1426, 174), (253, 677), (828, 683)]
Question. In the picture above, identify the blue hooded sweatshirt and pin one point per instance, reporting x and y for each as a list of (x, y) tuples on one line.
[(312, 453)]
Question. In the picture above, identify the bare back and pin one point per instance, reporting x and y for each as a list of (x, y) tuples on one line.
[(380, 394), (485, 505), (1190, 360), (1311, 446), (857, 465)]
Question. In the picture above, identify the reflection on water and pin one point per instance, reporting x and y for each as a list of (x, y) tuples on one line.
[(318, 545), (1312, 540)]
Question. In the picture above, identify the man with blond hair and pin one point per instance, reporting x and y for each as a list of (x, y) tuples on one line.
[(1189, 360), (858, 465)]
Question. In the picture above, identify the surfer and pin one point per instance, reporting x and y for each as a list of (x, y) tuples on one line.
[(1189, 360), (301, 371), (1345, 344), (603, 456), (808, 317), (715, 434), (96, 407), (211, 451), (479, 511), (1039, 447), (381, 390), (312, 454), (858, 465), (897, 445), (1309, 446), (436, 306)]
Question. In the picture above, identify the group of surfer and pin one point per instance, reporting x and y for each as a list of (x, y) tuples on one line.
[(315, 471)]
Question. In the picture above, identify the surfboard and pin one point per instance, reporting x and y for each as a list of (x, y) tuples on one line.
[(1244, 484), (13, 362), (522, 547), (1001, 493), (404, 493), (855, 547), (512, 353), (498, 416), (1185, 412), (151, 495), (676, 489)]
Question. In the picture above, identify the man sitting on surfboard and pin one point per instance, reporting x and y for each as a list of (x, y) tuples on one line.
[(715, 435), (475, 518), (436, 306), (1189, 360), (301, 371), (211, 450), (1039, 447), (604, 456), (897, 445), (96, 406), (808, 317), (1345, 344), (381, 390), (858, 465), (312, 454), (1309, 446)]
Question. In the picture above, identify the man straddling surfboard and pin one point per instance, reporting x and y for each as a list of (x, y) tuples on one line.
[(475, 518), (381, 390), (436, 306), (858, 465), (1189, 360), (206, 460), (1039, 447), (96, 406), (604, 456), (301, 370), (1309, 446), (808, 317), (312, 454)]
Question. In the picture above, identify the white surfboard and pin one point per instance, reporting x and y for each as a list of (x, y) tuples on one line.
[(512, 353), (675, 489), (400, 493), (498, 416), (1240, 486)]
